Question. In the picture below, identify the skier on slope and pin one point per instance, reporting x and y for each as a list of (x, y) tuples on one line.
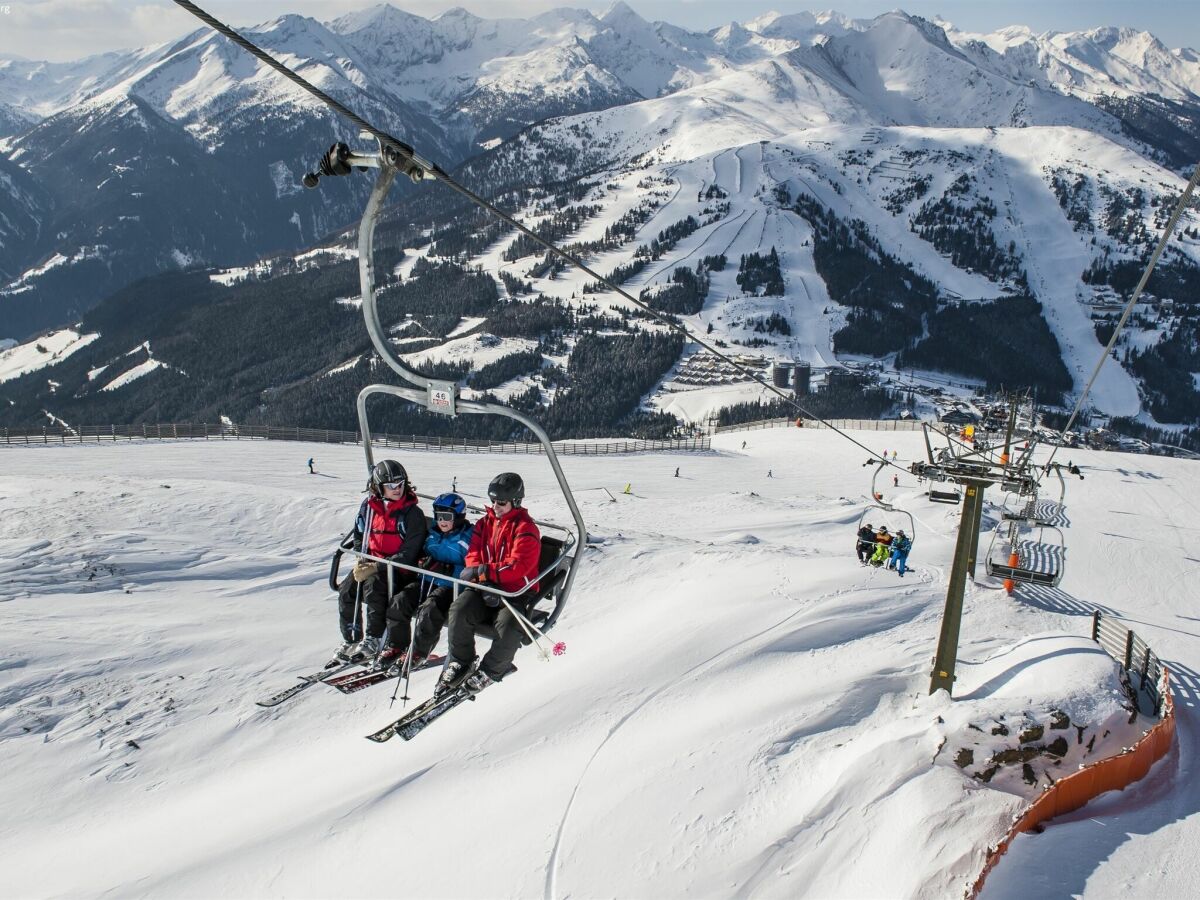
[(504, 553), (397, 532), (429, 598)]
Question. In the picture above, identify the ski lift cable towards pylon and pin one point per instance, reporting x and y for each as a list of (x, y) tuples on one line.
[(403, 157)]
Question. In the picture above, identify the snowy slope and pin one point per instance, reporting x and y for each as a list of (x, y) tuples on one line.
[(41, 352), (692, 141), (741, 709)]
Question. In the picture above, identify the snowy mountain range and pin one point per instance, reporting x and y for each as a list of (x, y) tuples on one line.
[(986, 167)]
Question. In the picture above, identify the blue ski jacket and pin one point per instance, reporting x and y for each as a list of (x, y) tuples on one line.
[(450, 550)]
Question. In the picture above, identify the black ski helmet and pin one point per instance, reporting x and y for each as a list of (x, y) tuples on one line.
[(387, 471), (507, 486)]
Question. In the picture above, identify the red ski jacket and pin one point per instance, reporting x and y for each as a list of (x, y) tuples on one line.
[(398, 528), (509, 546)]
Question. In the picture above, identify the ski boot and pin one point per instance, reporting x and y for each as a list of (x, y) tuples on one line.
[(477, 681), (344, 654), (387, 659), (452, 678), (399, 663), (366, 650)]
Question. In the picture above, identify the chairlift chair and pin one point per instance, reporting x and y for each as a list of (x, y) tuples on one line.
[(1024, 572), (936, 494), (885, 510), (562, 549)]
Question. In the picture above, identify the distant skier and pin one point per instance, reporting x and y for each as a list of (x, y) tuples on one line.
[(770, 473), (389, 525), (505, 549), (743, 445), (895, 453), (311, 470), (900, 547), (677, 471), (895, 481), (865, 543), (429, 598)]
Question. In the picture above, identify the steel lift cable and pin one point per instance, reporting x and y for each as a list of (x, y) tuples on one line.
[(1137, 292), (406, 160)]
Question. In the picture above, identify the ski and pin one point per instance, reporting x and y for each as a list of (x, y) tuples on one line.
[(389, 731), (412, 722), (307, 681), (356, 681), (417, 725)]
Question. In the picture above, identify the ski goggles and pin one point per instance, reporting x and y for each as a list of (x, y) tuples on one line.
[(393, 485), (505, 503), (439, 516)]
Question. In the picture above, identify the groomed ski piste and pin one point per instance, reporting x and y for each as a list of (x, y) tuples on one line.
[(742, 710)]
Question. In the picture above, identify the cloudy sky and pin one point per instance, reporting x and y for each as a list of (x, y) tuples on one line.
[(70, 29)]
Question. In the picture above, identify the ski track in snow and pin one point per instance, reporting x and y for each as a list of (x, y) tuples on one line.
[(551, 892)]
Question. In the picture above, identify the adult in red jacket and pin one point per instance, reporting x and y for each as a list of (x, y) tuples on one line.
[(390, 525), (504, 552)]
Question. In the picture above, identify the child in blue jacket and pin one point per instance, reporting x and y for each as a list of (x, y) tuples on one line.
[(429, 598), (900, 547)]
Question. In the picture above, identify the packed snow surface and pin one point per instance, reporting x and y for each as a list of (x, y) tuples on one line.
[(742, 710)]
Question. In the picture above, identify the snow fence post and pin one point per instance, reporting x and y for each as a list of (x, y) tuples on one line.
[(1128, 649), (1096, 626)]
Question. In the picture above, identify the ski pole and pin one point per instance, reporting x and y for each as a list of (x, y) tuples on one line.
[(526, 625), (362, 547)]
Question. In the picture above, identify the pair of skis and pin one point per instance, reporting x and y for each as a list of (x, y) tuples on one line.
[(336, 675), (416, 720), (357, 681)]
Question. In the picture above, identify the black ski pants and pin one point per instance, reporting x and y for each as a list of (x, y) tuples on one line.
[(864, 550), (468, 612), (430, 607), (374, 604)]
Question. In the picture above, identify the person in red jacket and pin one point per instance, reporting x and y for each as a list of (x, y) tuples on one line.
[(504, 553), (389, 525)]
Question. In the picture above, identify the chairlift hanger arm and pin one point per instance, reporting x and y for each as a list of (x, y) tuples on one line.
[(400, 156)]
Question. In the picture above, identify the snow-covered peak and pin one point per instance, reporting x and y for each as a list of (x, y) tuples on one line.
[(391, 37), (621, 16)]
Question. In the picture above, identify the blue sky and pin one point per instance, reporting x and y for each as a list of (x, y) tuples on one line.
[(69, 29)]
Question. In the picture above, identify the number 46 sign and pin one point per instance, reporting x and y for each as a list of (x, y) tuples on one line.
[(441, 397)]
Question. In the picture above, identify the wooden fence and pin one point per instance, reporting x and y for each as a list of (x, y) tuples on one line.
[(87, 434), (844, 424)]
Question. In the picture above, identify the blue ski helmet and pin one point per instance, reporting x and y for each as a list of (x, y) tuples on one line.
[(452, 502)]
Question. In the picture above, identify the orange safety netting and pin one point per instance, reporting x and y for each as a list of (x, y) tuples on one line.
[(1112, 774)]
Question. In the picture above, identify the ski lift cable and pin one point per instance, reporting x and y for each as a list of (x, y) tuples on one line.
[(418, 168), (1137, 293)]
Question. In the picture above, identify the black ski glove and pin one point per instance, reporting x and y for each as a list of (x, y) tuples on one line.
[(492, 600), (334, 161)]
